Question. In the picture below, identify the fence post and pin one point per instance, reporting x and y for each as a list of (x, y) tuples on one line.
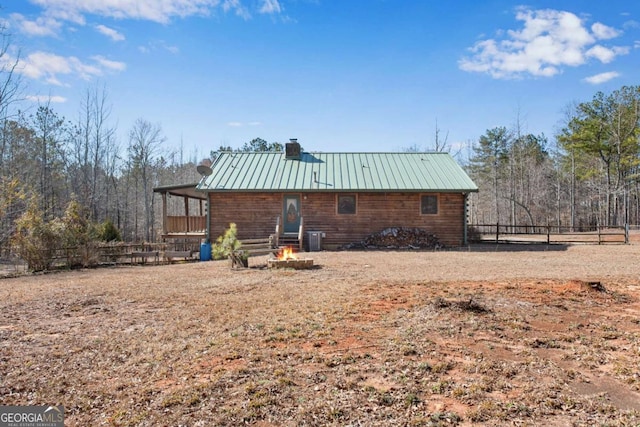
[(598, 233), (626, 233), (548, 233), (497, 231)]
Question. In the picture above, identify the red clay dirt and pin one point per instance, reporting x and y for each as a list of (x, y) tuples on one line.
[(533, 335)]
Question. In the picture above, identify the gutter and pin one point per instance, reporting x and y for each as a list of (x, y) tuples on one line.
[(464, 220)]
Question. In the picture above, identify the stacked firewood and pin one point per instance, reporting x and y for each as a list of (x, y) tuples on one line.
[(398, 238)]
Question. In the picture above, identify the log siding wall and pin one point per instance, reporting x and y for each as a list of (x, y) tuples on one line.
[(255, 215)]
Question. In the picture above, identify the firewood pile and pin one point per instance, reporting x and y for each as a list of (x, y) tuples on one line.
[(398, 238)]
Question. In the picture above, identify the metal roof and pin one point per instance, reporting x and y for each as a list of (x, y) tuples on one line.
[(188, 190), (271, 172)]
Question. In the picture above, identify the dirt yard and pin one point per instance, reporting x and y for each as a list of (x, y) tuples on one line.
[(531, 336)]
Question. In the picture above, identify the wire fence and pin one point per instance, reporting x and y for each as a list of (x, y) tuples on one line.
[(549, 234)]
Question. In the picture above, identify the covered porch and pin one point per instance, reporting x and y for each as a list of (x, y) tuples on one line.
[(184, 212)]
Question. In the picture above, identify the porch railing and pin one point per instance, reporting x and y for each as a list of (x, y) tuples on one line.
[(186, 224)]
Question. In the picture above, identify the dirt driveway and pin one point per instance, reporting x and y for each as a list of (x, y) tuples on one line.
[(534, 335)]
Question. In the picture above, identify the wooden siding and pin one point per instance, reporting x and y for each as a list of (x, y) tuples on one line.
[(255, 215)]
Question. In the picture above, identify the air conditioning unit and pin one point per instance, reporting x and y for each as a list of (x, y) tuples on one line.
[(314, 241)]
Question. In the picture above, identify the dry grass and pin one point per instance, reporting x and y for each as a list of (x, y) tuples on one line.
[(368, 338)]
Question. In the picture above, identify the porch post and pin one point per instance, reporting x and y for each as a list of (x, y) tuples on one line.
[(164, 214), (186, 212)]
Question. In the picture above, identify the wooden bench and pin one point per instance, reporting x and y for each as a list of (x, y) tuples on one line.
[(252, 247), (171, 255), (143, 256)]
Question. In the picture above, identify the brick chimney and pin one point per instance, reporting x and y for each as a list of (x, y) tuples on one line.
[(292, 150)]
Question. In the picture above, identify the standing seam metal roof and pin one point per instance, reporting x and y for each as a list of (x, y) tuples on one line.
[(271, 172)]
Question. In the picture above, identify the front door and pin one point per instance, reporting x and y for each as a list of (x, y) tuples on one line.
[(291, 214)]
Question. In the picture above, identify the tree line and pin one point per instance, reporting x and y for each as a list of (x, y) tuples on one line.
[(586, 177)]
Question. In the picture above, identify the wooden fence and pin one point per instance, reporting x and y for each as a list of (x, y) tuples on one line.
[(549, 234), (123, 253)]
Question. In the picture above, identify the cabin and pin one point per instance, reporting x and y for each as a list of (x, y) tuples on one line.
[(332, 198)]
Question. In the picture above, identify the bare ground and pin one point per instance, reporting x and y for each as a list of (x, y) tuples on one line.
[(481, 337)]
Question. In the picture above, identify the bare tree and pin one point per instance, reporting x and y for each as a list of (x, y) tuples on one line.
[(94, 148), (440, 144), (10, 86), (145, 140)]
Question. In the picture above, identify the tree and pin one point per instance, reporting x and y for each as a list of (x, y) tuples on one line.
[(50, 131), (529, 178), (10, 82), (12, 188), (490, 156), (95, 151), (35, 239), (260, 145), (145, 140), (12, 198), (602, 137), (440, 144)]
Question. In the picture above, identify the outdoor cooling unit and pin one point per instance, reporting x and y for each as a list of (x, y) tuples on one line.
[(314, 241)]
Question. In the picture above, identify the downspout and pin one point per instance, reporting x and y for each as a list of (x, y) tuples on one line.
[(464, 220), (208, 234)]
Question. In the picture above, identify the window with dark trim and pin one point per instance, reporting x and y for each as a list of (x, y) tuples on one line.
[(346, 204), (429, 205)]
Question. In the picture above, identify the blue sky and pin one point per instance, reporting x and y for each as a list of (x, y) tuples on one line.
[(376, 75)]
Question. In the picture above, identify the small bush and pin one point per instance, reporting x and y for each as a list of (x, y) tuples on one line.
[(79, 236), (108, 232), (35, 239), (226, 243), (72, 238)]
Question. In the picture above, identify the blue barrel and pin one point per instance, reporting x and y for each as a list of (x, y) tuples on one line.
[(205, 251)]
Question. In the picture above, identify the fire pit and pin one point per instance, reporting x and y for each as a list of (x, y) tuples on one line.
[(286, 258)]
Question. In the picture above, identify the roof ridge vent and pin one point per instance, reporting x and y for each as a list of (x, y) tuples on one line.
[(292, 150)]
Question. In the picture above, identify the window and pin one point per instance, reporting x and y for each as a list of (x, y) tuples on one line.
[(429, 205), (346, 204)]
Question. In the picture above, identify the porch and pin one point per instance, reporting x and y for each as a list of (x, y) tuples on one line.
[(184, 213)]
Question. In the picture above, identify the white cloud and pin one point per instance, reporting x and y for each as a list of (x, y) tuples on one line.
[(604, 32), (242, 124), (159, 45), (602, 77), (110, 32), (41, 99), (236, 5), (548, 41), (604, 54), (270, 6), (173, 49), (152, 10), (161, 11), (49, 67), (43, 65), (42, 26), (111, 65)]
